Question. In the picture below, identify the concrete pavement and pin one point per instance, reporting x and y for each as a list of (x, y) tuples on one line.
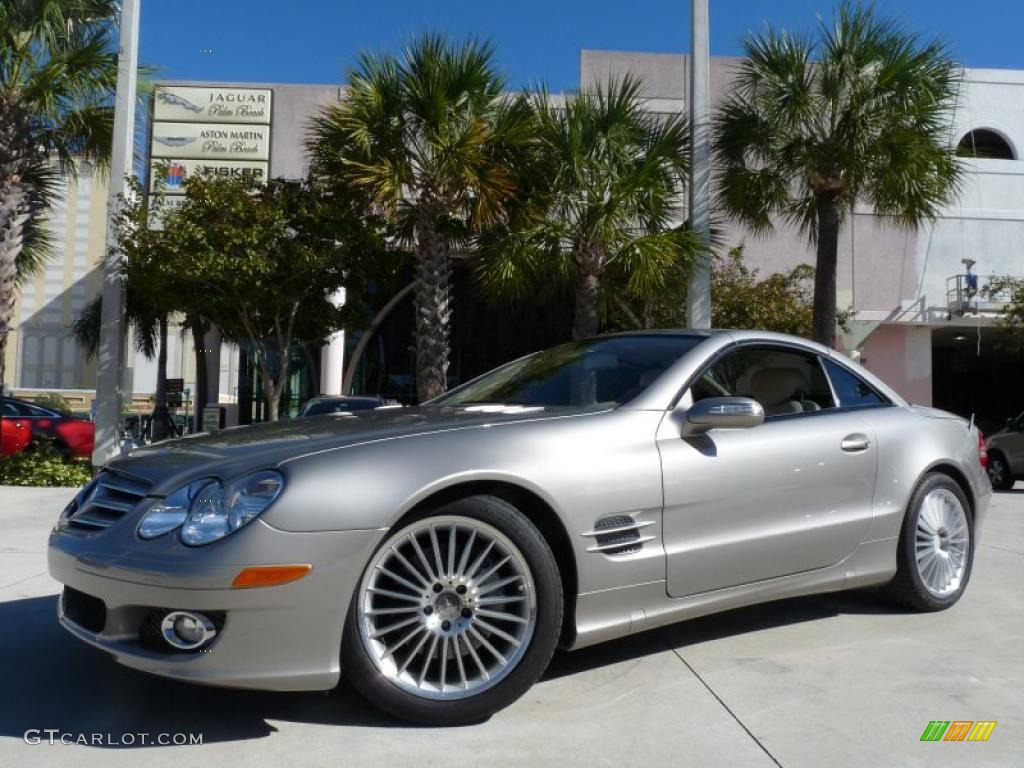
[(842, 680)]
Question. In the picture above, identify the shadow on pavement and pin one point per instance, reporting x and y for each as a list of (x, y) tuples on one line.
[(709, 628), (51, 680), (55, 681)]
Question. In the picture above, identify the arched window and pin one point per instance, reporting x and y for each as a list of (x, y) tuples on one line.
[(986, 144)]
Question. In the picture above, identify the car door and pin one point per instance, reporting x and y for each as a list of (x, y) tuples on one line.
[(791, 495)]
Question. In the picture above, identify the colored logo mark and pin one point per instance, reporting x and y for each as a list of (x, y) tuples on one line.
[(958, 730), (175, 176)]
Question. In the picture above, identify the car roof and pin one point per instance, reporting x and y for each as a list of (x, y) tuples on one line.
[(23, 401)]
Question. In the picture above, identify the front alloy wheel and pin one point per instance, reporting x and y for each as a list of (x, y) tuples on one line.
[(457, 614)]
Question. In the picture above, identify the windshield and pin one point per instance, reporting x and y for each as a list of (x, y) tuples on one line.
[(600, 372)]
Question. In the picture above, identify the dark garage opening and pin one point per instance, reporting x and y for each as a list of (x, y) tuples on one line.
[(990, 384)]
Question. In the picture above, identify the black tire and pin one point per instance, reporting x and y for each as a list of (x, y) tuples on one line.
[(907, 587), (999, 472), (359, 669)]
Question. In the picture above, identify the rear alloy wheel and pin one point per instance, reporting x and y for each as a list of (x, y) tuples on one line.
[(936, 546), (456, 616), (999, 472)]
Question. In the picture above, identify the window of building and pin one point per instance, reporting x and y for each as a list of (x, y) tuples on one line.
[(986, 144)]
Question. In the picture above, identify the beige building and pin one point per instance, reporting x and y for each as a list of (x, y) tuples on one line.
[(41, 351)]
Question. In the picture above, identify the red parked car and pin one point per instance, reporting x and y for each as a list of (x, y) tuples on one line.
[(71, 435), (15, 435)]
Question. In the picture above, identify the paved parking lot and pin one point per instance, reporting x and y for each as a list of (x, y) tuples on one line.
[(841, 680)]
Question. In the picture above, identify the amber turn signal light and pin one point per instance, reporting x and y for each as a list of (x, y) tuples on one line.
[(270, 575)]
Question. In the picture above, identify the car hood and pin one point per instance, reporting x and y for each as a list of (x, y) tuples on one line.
[(167, 465)]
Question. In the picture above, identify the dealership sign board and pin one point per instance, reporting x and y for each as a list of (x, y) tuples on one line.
[(191, 104), (211, 130), (169, 175), (208, 141)]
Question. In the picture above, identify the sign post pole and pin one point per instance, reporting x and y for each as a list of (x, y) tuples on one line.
[(109, 384)]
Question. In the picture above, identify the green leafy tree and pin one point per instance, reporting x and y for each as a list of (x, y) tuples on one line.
[(260, 262), (602, 213), (58, 73), (781, 302), (740, 298), (1009, 291), (427, 138), (858, 113), (55, 402)]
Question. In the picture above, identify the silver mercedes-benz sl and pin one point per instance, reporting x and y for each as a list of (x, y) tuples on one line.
[(436, 556)]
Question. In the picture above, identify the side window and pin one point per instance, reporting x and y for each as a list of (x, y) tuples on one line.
[(851, 389), (781, 380), (9, 409)]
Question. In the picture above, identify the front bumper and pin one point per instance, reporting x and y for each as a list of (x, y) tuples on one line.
[(283, 638)]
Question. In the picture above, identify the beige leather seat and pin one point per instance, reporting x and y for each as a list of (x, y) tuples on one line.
[(780, 390)]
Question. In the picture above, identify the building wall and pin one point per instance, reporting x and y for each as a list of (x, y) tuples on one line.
[(42, 353), (901, 355)]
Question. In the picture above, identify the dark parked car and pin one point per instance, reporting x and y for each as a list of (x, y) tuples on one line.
[(1006, 454), (318, 406), (71, 435)]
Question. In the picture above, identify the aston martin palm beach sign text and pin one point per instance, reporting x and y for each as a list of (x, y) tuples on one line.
[(201, 141)]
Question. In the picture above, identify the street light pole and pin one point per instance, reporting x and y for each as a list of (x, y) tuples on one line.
[(112, 320), (698, 298)]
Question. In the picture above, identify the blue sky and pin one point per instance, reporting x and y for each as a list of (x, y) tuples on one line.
[(315, 40)]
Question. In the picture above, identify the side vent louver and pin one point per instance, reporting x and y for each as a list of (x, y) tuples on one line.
[(618, 535)]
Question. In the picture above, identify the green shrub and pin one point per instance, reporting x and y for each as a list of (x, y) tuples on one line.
[(44, 465), (55, 402)]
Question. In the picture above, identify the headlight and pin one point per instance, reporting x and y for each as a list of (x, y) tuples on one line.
[(219, 510), (170, 513)]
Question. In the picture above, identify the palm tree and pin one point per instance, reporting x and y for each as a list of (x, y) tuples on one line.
[(861, 112), (427, 137), (603, 203), (58, 73)]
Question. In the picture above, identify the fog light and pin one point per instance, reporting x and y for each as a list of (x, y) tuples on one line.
[(187, 631)]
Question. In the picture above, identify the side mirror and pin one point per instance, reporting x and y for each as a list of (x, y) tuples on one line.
[(721, 413)]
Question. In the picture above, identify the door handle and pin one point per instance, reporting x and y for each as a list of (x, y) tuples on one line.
[(855, 443)]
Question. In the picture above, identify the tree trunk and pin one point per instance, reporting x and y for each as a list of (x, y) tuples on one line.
[(273, 398), (159, 429), (824, 322), (268, 382), (433, 310), (588, 292), (14, 215), (364, 340)]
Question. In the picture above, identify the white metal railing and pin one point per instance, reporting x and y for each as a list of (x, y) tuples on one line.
[(968, 294)]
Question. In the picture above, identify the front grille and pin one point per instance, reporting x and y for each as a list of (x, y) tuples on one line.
[(86, 611), (113, 496), (618, 535)]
